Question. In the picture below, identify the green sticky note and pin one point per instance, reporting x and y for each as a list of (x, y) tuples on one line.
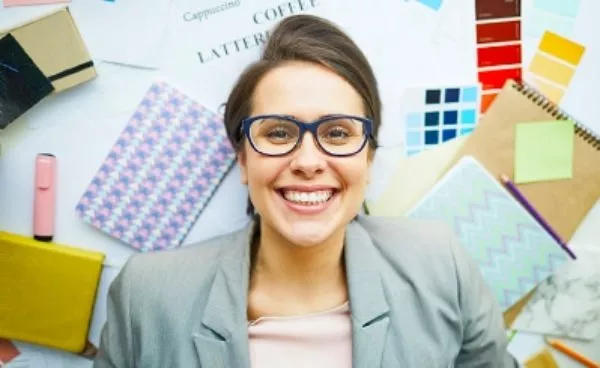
[(544, 151)]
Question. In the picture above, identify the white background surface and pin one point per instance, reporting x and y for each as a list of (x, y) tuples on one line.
[(407, 43)]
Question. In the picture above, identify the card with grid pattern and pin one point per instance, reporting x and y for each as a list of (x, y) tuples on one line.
[(436, 115)]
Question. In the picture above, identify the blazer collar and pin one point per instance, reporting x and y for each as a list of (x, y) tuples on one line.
[(225, 313), (368, 305)]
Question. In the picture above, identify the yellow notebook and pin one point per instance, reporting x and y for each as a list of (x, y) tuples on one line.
[(47, 292)]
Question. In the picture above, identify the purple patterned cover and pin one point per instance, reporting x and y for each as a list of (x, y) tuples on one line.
[(161, 172)]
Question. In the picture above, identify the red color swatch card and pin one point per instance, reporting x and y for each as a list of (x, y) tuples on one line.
[(499, 56)]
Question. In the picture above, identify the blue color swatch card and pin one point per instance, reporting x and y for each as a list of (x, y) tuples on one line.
[(438, 114), (513, 251), (433, 4), (558, 16)]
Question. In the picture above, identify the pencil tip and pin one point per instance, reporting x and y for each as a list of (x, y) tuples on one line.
[(504, 177)]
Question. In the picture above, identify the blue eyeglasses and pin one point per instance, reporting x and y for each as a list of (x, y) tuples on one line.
[(336, 135)]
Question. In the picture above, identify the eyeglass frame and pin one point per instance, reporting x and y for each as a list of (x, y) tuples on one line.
[(311, 127)]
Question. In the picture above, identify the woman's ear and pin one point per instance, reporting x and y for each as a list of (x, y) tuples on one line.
[(241, 159)]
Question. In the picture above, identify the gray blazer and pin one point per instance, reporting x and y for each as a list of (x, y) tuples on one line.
[(416, 299)]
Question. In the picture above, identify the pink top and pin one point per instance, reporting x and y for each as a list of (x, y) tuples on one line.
[(314, 340)]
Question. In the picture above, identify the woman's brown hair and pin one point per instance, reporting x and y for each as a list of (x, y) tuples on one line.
[(312, 39)]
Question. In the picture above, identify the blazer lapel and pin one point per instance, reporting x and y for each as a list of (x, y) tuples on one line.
[(368, 305), (221, 338)]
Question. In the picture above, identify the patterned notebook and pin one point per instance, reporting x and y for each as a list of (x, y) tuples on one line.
[(513, 251), (160, 173)]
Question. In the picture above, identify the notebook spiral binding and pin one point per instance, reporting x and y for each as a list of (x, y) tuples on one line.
[(534, 95)]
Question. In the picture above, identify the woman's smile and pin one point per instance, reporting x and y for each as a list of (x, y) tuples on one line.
[(308, 200)]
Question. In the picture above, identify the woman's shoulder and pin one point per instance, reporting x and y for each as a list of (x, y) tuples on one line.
[(401, 234), (189, 264), (411, 246)]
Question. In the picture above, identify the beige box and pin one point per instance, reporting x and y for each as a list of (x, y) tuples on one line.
[(55, 45)]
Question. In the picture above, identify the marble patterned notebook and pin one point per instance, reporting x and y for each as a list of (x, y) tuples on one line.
[(160, 173), (567, 304), (513, 251)]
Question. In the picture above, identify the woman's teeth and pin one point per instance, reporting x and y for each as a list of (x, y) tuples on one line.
[(308, 197)]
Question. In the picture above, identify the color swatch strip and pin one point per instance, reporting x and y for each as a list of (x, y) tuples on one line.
[(8, 352), (499, 46), (552, 15), (554, 64), (437, 115), (433, 4)]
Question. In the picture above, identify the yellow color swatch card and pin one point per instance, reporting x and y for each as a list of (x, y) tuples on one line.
[(47, 292), (554, 65)]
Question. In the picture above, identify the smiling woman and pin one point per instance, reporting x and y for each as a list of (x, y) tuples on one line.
[(309, 282)]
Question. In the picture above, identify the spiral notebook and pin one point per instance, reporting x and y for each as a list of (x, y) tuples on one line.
[(161, 172), (512, 250), (563, 203)]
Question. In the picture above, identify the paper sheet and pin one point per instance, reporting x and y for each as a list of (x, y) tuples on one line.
[(124, 32), (206, 54), (567, 304), (543, 151), (525, 344)]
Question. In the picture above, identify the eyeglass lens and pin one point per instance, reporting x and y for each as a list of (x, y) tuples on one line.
[(277, 136)]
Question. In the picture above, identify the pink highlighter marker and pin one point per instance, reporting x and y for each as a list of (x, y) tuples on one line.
[(44, 197)]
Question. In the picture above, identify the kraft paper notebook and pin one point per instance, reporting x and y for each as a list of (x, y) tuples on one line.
[(513, 251), (47, 292), (161, 172), (563, 203)]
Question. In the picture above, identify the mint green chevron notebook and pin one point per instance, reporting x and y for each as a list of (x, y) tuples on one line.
[(513, 251)]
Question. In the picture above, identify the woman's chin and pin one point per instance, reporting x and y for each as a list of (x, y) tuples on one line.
[(308, 233)]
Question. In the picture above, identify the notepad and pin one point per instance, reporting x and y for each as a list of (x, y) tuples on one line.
[(47, 292), (512, 250), (543, 151), (161, 172)]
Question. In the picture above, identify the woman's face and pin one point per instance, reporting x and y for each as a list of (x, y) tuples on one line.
[(305, 196)]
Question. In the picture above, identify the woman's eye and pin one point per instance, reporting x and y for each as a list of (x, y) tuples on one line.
[(278, 134), (337, 133)]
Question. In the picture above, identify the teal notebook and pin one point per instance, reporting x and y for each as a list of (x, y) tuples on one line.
[(513, 251)]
